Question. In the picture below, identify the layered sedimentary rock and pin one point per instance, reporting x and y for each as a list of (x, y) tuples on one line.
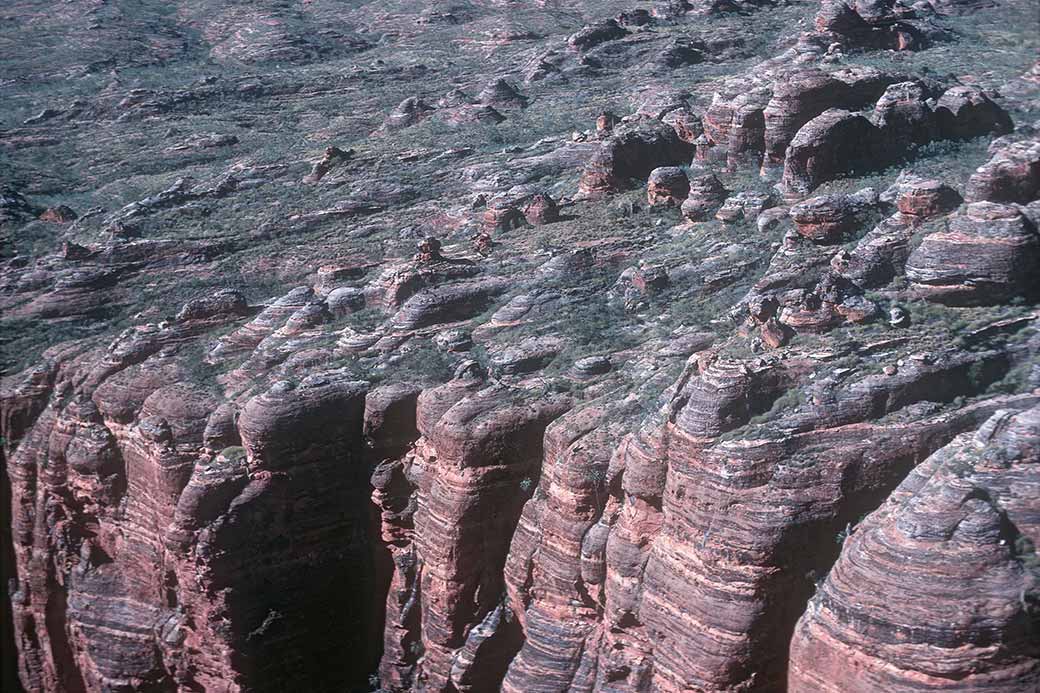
[(502, 215), (953, 547), (700, 599), (886, 24), (744, 205), (462, 425), (541, 209), (471, 470), (828, 144), (879, 257), (448, 303), (594, 34), (803, 95), (921, 199), (554, 573), (1011, 175), (155, 552), (906, 117), (633, 153), (840, 142), (407, 113), (500, 93), (763, 113), (988, 253), (831, 302), (706, 195), (826, 218), (735, 120), (302, 447), (395, 285), (667, 186), (964, 112)]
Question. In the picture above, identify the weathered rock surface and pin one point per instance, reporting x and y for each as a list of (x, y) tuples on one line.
[(885, 24), (744, 205), (1011, 175), (827, 218), (478, 445), (555, 565), (921, 199), (541, 209), (989, 253), (342, 374), (827, 145), (407, 113), (332, 157), (667, 186), (159, 535), (445, 304), (839, 141), (633, 153), (798, 98), (501, 93), (595, 34), (735, 120), (952, 546), (967, 112), (880, 256), (722, 593), (706, 195)]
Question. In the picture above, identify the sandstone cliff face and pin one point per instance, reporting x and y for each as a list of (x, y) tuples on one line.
[(470, 471), (607, 585), (556, 567), (432, 394), (163, 542), (953, 545), (694, 581)]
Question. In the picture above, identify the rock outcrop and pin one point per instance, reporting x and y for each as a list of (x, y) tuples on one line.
[(407, 113), (735, 120), (667, 186), (745, 205), (594, 34), (964, 112), (546, 378), (541, 209), (501, 94), (879, 257), (886, 24), (827, 145), (825, 219), (953, 546), (989, 253), (155, 541), (706, 195), (920, 199), (1011, 175), (470, 473), (841, 142), (799, 97), (555, 569), (632, 153)]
